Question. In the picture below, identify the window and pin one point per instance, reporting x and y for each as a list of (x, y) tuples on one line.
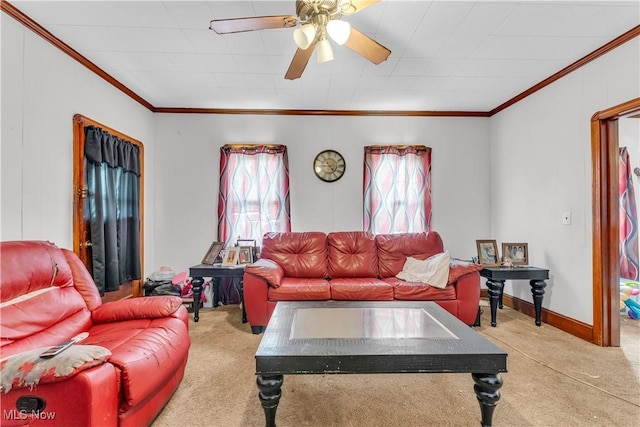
[(254, 192), (397, 189)]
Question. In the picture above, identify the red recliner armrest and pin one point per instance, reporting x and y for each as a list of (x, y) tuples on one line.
[(88, 398), (137, 308)]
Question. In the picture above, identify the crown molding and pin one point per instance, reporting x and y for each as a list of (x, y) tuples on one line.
[(16, 14), (402, 113), (38, 29)]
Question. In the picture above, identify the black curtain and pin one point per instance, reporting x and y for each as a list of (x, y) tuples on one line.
[(112, 171)]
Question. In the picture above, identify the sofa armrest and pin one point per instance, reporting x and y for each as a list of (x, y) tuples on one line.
[(267, 269), (256, 299), (468, 296), (28, 369), (137, 308)]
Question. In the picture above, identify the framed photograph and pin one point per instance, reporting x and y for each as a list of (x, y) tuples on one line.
[(212, 253), (231, 256), (517, 253), (245, 242), (245, 255), (488, 253)]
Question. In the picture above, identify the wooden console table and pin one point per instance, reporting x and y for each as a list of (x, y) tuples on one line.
[(216, 272), (496, 276)]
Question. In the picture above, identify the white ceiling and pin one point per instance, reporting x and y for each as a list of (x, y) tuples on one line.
[(445, 55)]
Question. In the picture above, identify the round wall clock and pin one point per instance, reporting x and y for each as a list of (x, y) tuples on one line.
[(329, 165)]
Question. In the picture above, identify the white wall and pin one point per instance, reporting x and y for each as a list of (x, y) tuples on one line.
[(509, 177), (541, 167), (187, 166), (42, 88)]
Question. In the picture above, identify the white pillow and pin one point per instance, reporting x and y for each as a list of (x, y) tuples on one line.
[(433, 271)]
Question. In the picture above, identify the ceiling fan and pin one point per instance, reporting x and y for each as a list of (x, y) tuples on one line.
[(317, 20)]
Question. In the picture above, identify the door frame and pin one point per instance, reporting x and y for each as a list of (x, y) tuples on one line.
[(79, 197), (606, 226)]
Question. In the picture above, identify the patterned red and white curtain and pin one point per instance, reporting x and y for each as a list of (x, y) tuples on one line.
[(628, 219), (254, 192), (397, 189)]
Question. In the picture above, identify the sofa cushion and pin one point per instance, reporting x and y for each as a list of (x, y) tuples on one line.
[(433, 271), (416, 291), (352, 254), (300, 254), (47, 267), (361, 289), (40, 306), (300, 289), (393, 249), (145, 351), (27, 369)]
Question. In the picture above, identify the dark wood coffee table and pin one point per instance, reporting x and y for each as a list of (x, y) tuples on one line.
[(367, 337)]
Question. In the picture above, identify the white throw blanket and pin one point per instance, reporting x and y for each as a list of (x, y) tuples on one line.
[(433, 271)]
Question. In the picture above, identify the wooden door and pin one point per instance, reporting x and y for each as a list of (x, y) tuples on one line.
[(81, 219)]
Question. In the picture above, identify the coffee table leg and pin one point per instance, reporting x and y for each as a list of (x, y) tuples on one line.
[(495, 288), (487, 390), (537, 290), (270, 391)]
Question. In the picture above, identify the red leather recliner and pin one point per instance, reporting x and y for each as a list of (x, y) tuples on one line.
[(47, 296)]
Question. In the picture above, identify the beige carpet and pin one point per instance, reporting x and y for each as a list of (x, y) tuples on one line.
[(554, 379)]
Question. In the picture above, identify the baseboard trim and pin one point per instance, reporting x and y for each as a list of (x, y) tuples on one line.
[(564, 323)]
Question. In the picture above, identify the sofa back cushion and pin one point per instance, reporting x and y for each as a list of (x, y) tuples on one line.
[(39, 305), (393, 249), (352, 254), (300, 254)]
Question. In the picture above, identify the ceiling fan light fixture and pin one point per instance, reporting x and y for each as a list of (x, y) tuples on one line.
[(304, 36), (339, 31), (346, 7), (325, 53)]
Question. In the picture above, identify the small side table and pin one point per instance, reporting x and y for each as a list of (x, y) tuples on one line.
[(216, 272), (496, 276)]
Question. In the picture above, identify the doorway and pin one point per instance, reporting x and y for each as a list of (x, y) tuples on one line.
[(606, 251), (108, 189)]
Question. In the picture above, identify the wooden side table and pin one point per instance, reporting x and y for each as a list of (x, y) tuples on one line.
[(496, 276), (216, 272)]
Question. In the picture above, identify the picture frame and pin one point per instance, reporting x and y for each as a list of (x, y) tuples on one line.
[(517, 253), (245, 242), (245, 255), (231, 256), (212, 253), (488, 253)]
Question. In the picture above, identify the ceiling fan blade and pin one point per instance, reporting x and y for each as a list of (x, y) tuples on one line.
[(367, 47), (238, 25), (299, 63), (362, 4)]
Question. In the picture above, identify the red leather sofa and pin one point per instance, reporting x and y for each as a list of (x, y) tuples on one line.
[(46, 297), (314, 266)]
